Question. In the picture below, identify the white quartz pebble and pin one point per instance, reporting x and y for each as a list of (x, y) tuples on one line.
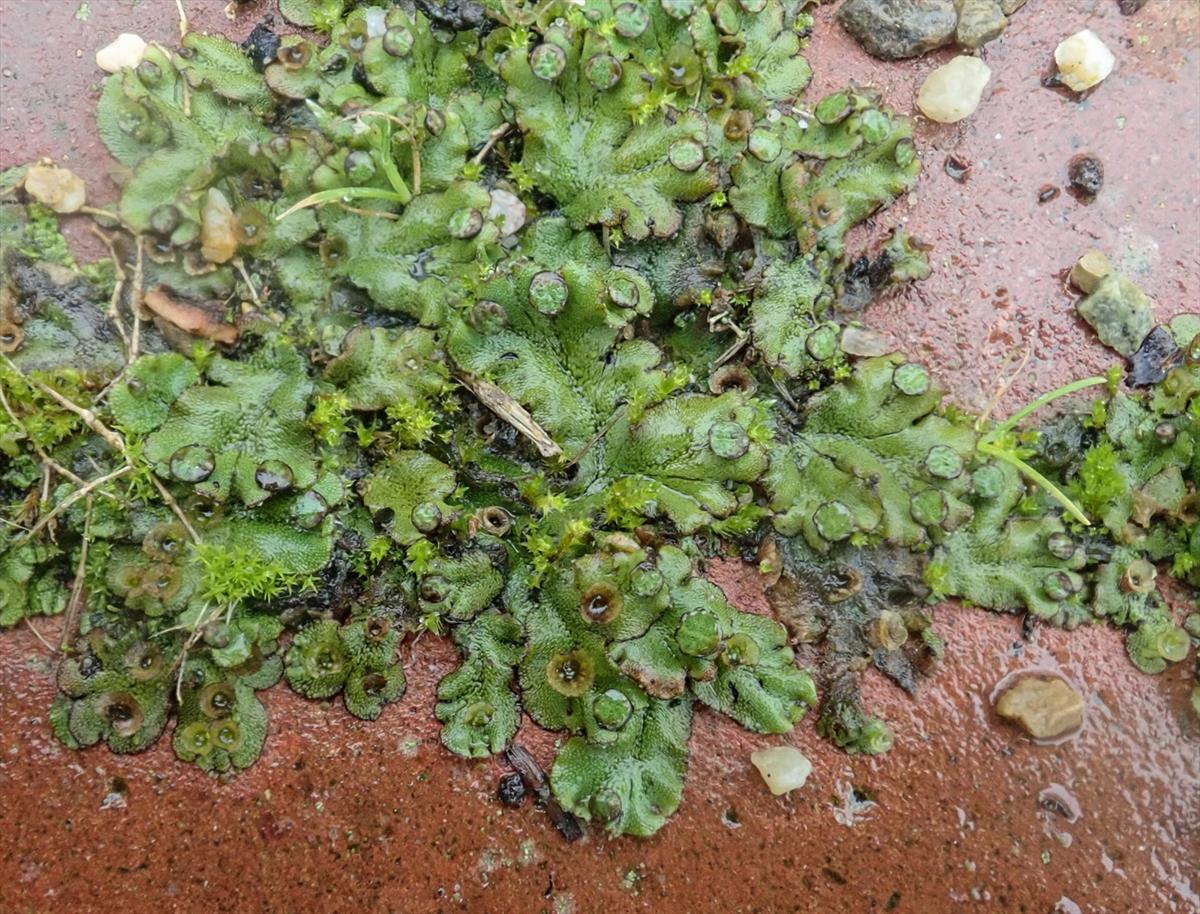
[(784, 768), (1083, 60), (125, 51), (953, 90)]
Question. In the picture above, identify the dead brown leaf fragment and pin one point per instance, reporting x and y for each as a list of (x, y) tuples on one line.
[(512, 412), (191, 318)]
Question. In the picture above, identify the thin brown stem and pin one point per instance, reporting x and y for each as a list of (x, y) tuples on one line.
[(241, 267), (77, 594), (174, 506), (114, 313), (493, 138), (1002, 388), (98, 213), (89, 418), (75, 496), (358, 211), (135, 303), (117, 443), (46, 644), (416, 160)]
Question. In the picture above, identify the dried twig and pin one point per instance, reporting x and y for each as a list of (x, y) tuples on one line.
[(512, 412), (605, 429), (46, 459), (493, 138), (359, 211), (135, 303), (241, 266), (77, 594), (75, 496), (89, 418), (1002, 388), (46, 644), (114, 313), (117, 443), (174, 506), (537, 784)]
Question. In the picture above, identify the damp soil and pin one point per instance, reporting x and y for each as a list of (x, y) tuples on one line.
[(343, 815)]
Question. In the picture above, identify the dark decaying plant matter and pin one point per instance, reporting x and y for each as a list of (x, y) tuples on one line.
[(497, 321)]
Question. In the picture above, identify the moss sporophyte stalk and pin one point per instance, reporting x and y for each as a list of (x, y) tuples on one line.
[(496, 327)]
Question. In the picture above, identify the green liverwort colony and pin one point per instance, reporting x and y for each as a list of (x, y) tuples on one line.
[(495, 323)]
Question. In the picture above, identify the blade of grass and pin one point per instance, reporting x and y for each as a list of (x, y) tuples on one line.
[(341, 194), (388, 163), (1030, 473), (1041, 401)]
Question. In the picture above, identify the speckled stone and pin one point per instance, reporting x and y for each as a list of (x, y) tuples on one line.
[(1119, 312), (895, 29), (979, 21), (1044, 706)]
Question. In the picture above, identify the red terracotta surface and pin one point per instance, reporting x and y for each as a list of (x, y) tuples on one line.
[(342, 815)]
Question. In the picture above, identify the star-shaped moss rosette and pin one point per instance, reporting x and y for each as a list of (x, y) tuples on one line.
[(874, 459), (377, 367), (549, 332), (584, 146), (242, 436), (357, 659)]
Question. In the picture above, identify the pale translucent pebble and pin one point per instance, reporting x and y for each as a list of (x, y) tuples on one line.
[(953, 90), (376, 20), (126, 50), (58, 188), (508, 208), (218, 228), (1083, 60), (783, 768)]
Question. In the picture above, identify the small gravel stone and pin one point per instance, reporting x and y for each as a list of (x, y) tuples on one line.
[(866, 343), (1089, 270), (953, 91), (1119, 312), (783, 768), (1083, 60), (979, 21), (1086, 175), (895, 29), (261, 46), (58, 188), (508, 208), (1045, 706), (1154, 359), (511, 790), (126, 50)]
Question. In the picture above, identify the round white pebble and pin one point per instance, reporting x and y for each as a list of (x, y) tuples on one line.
[(126, 50), (953, 90), (1083, 60), (783, 768)]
